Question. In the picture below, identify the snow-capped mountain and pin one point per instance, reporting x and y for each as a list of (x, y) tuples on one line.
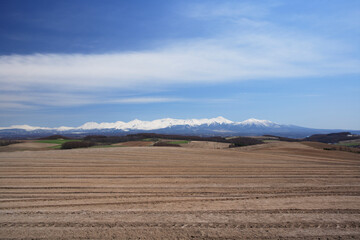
[(132, 125), (156, 124), (258, 123), (213, 126)]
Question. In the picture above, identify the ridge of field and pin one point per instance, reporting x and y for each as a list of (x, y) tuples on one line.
[(277, 190), (57, 141), (179, 142)]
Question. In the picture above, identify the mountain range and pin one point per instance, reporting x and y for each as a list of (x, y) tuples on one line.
[(203, 127)]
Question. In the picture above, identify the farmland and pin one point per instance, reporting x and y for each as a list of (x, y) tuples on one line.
[(57, 142), (285, 190)]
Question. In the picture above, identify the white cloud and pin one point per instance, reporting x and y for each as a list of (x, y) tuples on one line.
[(241, 57), (250, 47)]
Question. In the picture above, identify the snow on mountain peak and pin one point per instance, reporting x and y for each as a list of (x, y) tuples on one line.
[(222, 120), (25, 127), (257, 122), (137, 124)]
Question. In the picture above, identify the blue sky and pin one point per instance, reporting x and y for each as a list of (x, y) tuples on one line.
[(69, 62)]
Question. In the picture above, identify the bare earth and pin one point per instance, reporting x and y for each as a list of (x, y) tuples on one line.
[(274, 191), (26, 145)]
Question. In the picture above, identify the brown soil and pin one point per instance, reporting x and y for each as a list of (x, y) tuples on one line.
[(26, 145), (135, 144), (270, 191)]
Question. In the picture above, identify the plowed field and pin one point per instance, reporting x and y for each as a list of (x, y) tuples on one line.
[(271, 191)]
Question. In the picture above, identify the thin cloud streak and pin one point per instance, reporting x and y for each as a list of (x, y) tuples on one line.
[(31, 101), (15, 106), (143, 100), (28, 100)]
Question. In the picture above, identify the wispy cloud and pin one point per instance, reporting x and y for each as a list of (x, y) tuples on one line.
[(8, 105), (141, 100), (250, 48), (241, 57), (29, 100), (36, 99)]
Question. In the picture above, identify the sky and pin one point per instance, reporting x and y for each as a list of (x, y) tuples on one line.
[(64, 63)]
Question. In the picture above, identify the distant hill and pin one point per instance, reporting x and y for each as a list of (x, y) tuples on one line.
[(332, 137), (200, 127), (54, 137)]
